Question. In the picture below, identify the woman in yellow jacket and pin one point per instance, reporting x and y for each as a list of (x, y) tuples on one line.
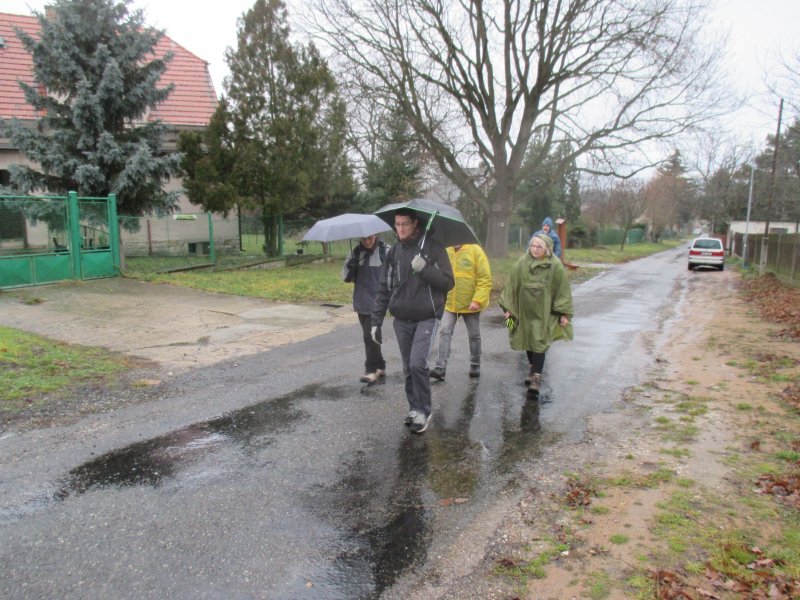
[(467, 299)]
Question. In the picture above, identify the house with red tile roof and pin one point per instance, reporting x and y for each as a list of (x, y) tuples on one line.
[(189, 107)]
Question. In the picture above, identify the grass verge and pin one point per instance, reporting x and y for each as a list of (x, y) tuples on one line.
[(33, 368), (321, 282)]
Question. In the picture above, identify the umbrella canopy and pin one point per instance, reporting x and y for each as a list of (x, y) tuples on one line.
[(442, 222), (342, 227)]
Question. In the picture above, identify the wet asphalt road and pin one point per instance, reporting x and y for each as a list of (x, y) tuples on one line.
[(280, 476)]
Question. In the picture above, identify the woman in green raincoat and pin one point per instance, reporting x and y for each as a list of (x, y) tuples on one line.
[(537, 305)]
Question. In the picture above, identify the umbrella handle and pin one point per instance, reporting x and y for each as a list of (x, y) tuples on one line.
[(427, 227)]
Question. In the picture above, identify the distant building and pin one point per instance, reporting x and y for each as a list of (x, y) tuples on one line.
[(757, 227)]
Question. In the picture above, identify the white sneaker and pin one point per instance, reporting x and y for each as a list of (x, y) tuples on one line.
[(410, 418), (420, 422), (373, 377)]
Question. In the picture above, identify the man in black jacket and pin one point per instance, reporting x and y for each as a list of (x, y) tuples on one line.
[(414, 285), (363, 268)]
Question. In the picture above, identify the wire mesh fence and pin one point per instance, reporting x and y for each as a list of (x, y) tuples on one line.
[(157, 244), (778, 253), (154, 243), (33, 225), (291, 236)]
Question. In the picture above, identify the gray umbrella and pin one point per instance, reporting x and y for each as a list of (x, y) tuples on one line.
[(442, 222), (342, 227)]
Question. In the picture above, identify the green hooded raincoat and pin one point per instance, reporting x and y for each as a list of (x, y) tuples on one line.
[(537, 294)]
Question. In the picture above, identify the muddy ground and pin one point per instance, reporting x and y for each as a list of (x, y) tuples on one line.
[(701, 358)]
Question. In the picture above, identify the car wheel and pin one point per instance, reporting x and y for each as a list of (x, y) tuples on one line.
[(722, 267), (690, 266)]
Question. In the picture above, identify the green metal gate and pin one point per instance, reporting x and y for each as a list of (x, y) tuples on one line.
[(44, 239)]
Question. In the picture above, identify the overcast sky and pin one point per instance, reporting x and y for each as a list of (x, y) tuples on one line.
[(759, 31)]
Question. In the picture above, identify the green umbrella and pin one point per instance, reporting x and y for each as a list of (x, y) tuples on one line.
[(443, 222)]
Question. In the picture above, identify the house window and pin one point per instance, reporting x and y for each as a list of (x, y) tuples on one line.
[(5, 177)]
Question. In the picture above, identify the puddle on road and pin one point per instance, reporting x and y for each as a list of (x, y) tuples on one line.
[(152, 461), (390, 506)]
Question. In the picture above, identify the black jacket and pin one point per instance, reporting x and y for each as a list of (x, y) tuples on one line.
[(414, 297), (363, 268)]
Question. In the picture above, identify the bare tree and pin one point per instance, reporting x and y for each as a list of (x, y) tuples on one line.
[(628, 203), (478, 78), (664, 194), (596, 210), (787, 84), (718, 161)]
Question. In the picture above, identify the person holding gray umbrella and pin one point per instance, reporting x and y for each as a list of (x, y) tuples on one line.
[(362, 268), (414, 283)]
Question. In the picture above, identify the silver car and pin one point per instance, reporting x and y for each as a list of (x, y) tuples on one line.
[(706, 252)]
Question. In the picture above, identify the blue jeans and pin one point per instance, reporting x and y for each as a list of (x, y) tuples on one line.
[(473, 324), (414, 339)]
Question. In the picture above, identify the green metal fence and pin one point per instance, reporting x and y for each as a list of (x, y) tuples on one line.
[(44, 239), (613, 237), (291, 238)]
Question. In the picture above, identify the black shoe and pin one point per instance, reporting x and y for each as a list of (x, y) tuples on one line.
[(437, 374), (474, 371)]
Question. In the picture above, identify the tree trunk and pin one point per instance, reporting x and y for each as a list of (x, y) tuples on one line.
[(624, 238), (270, 223), (497, 234), (499, 220)]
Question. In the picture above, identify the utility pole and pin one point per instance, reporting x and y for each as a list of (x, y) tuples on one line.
[(747, 223), (774, 168)]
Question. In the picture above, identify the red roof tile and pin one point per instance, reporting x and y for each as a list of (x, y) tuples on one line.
[(190, 104)]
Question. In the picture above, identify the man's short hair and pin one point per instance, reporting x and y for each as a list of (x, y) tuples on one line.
[(407, 212)]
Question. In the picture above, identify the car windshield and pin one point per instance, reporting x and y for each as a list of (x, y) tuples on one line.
[(708, 244)]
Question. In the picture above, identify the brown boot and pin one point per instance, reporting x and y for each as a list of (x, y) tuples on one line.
[(530, 375), (535, 384)]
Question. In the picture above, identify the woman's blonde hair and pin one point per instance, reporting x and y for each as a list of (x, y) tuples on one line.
[(548, 243)]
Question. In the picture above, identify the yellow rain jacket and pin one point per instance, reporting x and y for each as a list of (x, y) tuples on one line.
[(473, 279)]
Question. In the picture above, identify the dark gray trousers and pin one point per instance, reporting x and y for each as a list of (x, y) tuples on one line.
[(414, 339)]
